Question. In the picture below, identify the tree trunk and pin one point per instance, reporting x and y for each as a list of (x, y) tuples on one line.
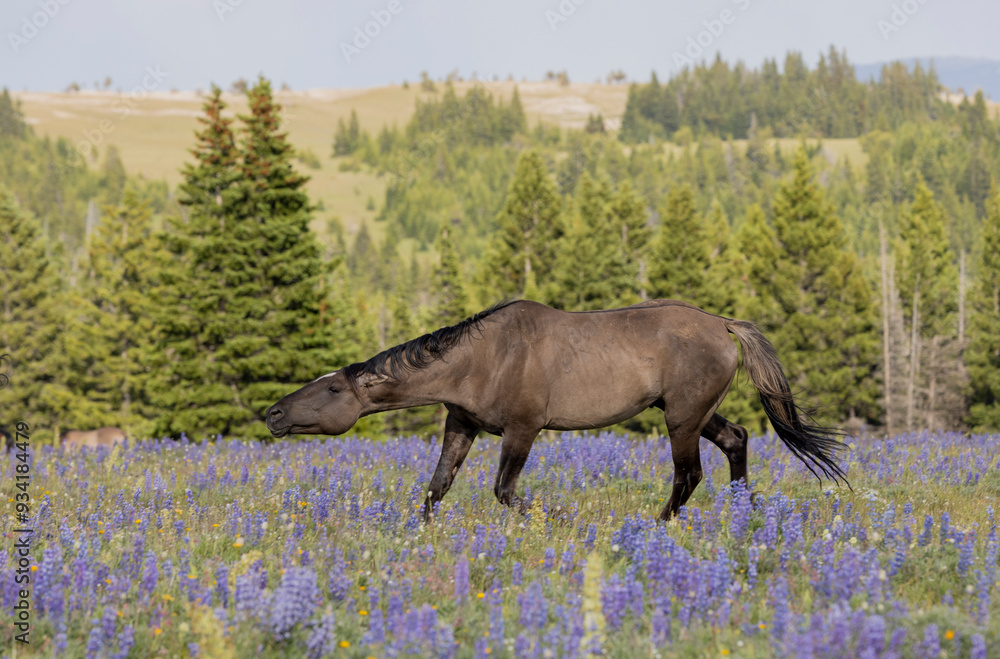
[(914, 358), (961, 297), (886, 340), (932, 384)]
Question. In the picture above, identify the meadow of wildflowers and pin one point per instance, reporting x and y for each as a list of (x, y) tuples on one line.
[(317, 548)]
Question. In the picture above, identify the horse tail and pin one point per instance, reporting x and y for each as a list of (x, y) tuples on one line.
[(810, 443)]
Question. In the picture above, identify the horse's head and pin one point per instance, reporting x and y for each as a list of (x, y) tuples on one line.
[(326, 406)]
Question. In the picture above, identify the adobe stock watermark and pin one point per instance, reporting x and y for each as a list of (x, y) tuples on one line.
[(223, 7), (714, 28), (562, 12), (899, 17), (381, 18), (31, 26), (122, 108)]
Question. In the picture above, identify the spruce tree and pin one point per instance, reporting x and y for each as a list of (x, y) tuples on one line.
[(278, 287), (927, 281), (451, 301), (242, 309), (591, 271), (629, 219), (983, 354), (826, 334), (113, 316), (679, 258), (192, 288), (522, 251), (33, 365), (749, 268)]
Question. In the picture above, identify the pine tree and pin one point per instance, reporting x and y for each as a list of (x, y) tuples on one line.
[(34, 368), (679, 258), (347, 139), (927, 281), (452, 303), (522, 251), (826, 334), (749, 267), (242, 312), (12, 124), (629, 218), (112, 315), (983, 354), (591, 270), (191, 286)]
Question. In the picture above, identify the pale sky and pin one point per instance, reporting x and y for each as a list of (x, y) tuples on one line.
[(47, 44)]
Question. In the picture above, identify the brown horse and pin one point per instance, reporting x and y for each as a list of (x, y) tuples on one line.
[(106, 436), (520, 367)]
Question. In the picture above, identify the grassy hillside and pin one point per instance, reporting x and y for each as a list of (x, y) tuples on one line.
[(155, 134)]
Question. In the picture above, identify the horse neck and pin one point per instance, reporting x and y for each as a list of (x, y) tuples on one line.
[(430, 385)]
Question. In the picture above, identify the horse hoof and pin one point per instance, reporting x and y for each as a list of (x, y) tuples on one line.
[(756, 500)]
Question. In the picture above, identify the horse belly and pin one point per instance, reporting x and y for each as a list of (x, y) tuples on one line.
[(596, 401)]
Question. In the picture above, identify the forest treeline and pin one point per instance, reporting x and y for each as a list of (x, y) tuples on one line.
[(191, 311)]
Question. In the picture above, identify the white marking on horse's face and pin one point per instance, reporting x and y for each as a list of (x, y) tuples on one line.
[(328, 375)]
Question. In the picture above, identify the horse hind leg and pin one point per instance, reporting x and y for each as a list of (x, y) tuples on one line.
[(686, 452), (732, 441)]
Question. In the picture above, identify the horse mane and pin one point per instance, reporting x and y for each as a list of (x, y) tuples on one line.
[(418, 353)]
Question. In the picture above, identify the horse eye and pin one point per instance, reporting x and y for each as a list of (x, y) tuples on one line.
[(333, 390)]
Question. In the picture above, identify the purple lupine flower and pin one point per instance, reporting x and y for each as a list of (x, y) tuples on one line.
[(739, 510), (193, 649), (294, 600), (533, 607), (782, 611), (550, 559), (966, 552), (517, 573), (495, 599), (660, 627), (931, 646), (376, 627), (95, 645), (984, 585), (568, 560), (480, 651), (873, 636), (896, 642), (588, 543), (478, 541), (978, 650), (109, 624), (222, 584), (753, 555), (62, 638), (496, 544), (462, 578), (945, 526), (770, 530), (614, 601), (925, 537), (522, 647), (126, 640)]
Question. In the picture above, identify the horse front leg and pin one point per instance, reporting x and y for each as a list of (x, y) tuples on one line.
[(458, 438), (514, 450)]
